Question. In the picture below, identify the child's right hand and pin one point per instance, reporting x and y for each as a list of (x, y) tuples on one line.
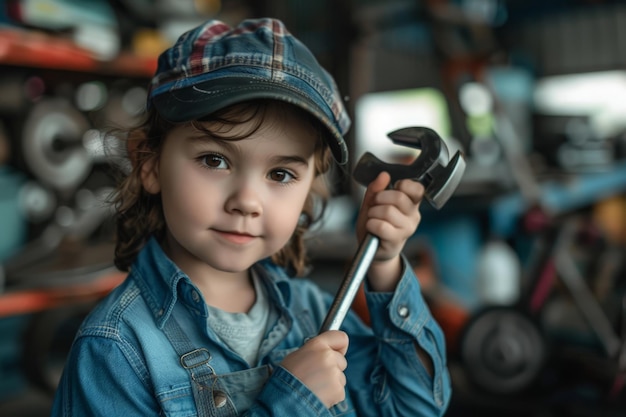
[(319, 364)]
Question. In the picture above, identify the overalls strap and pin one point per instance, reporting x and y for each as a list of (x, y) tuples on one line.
[(211, 398)]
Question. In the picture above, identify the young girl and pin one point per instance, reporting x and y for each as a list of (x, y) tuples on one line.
[(226, 178)]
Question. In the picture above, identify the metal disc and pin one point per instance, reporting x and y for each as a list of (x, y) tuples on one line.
[(52, 144), (503, 350)]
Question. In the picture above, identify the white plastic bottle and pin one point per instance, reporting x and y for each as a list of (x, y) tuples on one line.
[(499, 274)]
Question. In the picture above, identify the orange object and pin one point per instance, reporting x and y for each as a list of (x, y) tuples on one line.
[(610, 215), (31, 301), (40, 50), (360, 306)]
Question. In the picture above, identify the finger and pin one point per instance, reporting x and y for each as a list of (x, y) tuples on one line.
[(337, 340), (342, 362), (342, 380), (392, 215), (388, 222), (413, 189), (407, 205), (386, 231), (406, 194), (392, 200)]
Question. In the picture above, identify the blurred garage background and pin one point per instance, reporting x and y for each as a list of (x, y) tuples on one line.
[(525, 266)]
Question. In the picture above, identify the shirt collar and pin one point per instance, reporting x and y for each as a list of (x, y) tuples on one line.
[(158, 278), (162, 282), (276, 280)]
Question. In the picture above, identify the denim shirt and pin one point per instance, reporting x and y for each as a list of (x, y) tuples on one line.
[(123, 364)]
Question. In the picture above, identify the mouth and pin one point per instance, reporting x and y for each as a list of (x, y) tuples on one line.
[(238, 238)]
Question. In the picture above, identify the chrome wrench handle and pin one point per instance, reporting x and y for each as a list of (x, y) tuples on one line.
[(350, 284)]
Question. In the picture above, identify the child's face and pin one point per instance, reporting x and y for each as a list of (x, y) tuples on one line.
[(229, 204)]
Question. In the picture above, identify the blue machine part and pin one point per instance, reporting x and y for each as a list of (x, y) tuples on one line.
[(559, 197), (13, 225)]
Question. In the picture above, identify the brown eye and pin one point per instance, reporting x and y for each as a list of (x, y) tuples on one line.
[(281, 176), (214, 161)]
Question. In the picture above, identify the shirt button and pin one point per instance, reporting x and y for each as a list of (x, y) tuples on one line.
[(195, 296), (220, 399), (403, 311)]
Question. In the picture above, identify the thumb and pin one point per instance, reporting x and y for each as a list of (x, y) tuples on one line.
[(379, 184)]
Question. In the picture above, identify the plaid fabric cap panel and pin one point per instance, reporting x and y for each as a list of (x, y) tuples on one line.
[(260, 48)]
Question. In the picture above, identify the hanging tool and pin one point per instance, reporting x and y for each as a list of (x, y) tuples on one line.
[(433, 167)]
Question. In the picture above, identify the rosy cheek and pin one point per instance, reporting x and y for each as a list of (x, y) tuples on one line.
[(187, 192), (291, 218)]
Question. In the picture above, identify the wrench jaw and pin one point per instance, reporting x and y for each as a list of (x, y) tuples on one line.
[(415, 136), (425, 139), (444, 180), (432, 148), (369, 166), (433, 152), (433, 166)]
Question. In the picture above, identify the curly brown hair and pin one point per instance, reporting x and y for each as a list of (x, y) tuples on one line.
[(140, 214)]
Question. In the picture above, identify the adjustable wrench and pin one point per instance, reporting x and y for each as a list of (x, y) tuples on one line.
[(440, 176)]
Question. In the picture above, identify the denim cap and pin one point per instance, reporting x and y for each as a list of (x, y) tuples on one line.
[(214, 66)]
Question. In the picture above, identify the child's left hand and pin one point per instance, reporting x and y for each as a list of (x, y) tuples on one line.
[(393, 216)]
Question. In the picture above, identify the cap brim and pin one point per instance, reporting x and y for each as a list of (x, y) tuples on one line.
[(194, 102)]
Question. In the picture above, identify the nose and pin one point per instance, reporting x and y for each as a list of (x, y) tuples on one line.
[(244, 199)]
